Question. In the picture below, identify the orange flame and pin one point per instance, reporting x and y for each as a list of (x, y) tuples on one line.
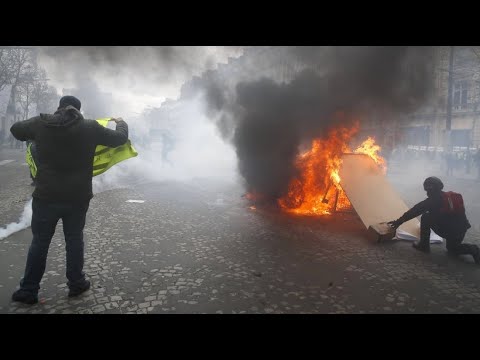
[(371, 149), (317, 188)]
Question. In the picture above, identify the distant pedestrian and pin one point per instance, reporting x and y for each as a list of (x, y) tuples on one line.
[(476, 159), (468, 161), (450, 162)]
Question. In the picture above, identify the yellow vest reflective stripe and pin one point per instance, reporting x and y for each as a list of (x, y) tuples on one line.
[(105, 157), (30, 162)]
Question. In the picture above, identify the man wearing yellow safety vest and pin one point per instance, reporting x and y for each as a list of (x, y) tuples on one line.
[(66, 145)]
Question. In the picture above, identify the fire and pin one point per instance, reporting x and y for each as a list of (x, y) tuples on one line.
[(335, 177), (371, 149), (317, 190)]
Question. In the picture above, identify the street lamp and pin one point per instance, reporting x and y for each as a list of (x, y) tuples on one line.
[(449, 100)]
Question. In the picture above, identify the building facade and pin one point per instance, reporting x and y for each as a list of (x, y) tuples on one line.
[(428, 125)]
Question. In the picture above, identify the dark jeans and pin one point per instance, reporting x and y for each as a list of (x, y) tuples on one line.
[(44, 221), (454, 238)]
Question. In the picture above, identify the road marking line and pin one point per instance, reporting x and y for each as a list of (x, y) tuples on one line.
[(4, 162)]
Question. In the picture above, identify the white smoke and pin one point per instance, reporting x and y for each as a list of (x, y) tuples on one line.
[(134, 77), (24, 222), (198, 151), (149, 75)]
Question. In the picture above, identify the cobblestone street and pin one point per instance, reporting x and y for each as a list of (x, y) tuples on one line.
[(197, 247)]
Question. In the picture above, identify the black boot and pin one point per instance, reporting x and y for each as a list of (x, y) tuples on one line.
[(422, 246), (25, 297), (79, 289)]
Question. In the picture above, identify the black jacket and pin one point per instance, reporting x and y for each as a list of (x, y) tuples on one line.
[(65, 147), (446, 223)]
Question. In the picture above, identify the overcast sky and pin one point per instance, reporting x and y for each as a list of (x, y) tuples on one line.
[(135, 76)]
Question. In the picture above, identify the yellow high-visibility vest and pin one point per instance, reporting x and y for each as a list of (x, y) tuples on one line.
[(105, 157), (30, 162)]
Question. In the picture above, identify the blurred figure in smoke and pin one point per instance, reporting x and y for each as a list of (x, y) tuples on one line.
[(477, 163), (450, 162), (458, 160), (468, 161), (66, 144), (444, 213)]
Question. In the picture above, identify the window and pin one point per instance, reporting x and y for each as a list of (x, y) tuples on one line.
[(417, 135), (460, 95), (460, 137)]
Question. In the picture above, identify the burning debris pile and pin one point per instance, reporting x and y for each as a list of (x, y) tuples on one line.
[(317, 190), (290, 137)]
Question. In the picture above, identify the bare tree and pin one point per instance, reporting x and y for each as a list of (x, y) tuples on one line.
[(45, 97), (30, 89), (21, 61), (6, 73), (14, 64), (26, 85)]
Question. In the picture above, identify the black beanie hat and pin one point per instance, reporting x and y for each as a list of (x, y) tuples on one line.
[(70, 100), (433, 183)]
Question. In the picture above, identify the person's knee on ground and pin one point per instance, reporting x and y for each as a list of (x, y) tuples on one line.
[(456, 247), (465, 249)]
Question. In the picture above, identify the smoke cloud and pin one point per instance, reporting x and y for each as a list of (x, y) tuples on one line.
[(134, 76), (269, 121), (134, 83), (23, 223)]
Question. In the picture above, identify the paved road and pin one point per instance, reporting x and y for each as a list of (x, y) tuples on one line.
[(197, 248)]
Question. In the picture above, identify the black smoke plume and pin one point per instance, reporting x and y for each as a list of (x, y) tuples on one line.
[(269, 121)]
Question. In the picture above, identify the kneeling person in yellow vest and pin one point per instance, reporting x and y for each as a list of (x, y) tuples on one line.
[(66, 145)]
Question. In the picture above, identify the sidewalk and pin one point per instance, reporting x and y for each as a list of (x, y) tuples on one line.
[(7, 153)]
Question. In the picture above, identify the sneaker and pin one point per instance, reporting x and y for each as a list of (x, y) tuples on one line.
[(79, 289), (421, 246), (25, 297)]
